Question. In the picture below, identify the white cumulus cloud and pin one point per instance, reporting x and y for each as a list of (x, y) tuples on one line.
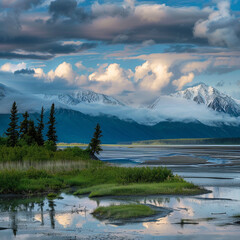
[(112, 78), (152, 75), (182, 81), (10, 67)]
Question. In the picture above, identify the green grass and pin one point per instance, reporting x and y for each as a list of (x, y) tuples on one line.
[(118, 212), (40, 154), (30, 181), (40, 170), (41, 158), (141, 189), (120, 175), (97, 180), (43, 180)]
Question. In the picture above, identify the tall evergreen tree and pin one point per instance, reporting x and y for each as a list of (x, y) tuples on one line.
[(12, 131), (24, 125), (32, 133), (51, 134), (40, 127), (95, 144)]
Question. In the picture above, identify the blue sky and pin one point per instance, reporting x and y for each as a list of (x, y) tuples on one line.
[(135, 50)]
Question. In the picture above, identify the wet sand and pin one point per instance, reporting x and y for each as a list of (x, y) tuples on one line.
[(176, 160)]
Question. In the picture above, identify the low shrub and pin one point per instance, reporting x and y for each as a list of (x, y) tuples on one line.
[(37, 153), (9, 180), (143, 175)]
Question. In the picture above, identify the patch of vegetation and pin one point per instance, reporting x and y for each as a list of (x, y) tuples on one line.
[(119, 175), (141, 189), (30, 181), (128, 211), (236, 216), (52, 196), (96, 179), (36, 153)]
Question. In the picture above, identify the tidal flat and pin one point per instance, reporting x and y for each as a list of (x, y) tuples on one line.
[(213, 215)]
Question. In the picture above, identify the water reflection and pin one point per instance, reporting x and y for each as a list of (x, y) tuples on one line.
[(58, 216), (51, 213), (70, 217), (20, 212), (13, 216)]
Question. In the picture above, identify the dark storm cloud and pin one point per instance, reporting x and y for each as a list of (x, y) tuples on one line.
[(25, 71), (69, 9), (57, 48), (41, 51), (11, 55), (110, 23), (124, 24)]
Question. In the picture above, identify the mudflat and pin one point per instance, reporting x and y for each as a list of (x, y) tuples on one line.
[(176, 160)]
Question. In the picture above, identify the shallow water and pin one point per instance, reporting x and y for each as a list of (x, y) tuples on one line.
[(140, 154), (70, 217)]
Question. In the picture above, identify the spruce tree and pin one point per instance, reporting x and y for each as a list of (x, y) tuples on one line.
[(24, 125), (95, 144), (40, 127), (51, 134), (12, 131), (32, 133)]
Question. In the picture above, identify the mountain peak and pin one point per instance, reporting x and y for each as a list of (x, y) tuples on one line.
[(211, 97), (84, 96)]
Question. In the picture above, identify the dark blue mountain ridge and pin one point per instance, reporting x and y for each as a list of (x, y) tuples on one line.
[(74, 126)]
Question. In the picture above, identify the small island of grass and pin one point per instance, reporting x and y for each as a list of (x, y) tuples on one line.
[(122, 212), (142, 189)]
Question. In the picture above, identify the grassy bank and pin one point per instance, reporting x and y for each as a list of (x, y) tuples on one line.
[(41, 158), (33, 170), (118, 212), (96, 180)]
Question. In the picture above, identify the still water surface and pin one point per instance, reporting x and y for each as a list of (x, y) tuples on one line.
[(210, 215)]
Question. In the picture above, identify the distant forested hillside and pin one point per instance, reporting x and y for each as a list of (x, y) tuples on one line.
[(73, 126)]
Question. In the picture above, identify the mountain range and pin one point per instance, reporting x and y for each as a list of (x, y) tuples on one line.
[(83, 96), (206, 95), (196, 112)]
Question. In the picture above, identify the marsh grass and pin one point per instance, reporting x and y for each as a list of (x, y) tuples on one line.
[(34, 169), (141, 189), (124, 211), (120, 175), (40, 154), (53, 166), (94, 177)]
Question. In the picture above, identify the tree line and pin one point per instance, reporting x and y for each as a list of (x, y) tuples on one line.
[(27, 133)]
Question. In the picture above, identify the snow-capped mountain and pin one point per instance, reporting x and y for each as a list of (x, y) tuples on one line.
[(83, 96), (209, 96), (181, 106)]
